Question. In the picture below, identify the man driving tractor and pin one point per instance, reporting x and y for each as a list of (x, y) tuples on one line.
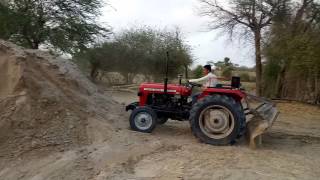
[(217, 115), (209, 80)]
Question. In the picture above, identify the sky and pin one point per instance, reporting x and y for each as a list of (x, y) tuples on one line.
[(206, 45)]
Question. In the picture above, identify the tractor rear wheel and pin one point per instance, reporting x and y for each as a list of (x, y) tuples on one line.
[(143, 119), (216, 119)]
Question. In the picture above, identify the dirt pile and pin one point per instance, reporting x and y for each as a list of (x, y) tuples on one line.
[(45, 102)]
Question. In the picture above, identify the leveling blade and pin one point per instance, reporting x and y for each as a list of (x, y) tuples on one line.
[(263, 118)]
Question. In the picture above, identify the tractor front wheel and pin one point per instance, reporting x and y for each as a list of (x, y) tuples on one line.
[(216, 119), (143, 119)]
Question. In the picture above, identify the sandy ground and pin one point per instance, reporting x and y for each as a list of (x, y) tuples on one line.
[(55, 124), (290, 150)]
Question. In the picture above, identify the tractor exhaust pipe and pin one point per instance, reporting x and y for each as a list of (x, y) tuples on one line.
[(166, 75)]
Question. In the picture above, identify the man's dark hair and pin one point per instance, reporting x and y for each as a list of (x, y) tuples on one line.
[(207, 67)]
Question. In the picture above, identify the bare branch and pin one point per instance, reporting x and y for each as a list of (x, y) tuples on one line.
[(215, 10)]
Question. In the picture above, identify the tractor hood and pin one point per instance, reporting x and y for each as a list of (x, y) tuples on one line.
[(159, 88)]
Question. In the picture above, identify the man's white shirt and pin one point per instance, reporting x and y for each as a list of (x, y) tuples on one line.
[(209, 80)]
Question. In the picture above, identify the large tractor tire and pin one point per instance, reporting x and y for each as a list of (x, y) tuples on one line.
[(217, 119), (143, 119)]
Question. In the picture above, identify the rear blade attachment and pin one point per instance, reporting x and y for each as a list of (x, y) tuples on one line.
[(261, 114)]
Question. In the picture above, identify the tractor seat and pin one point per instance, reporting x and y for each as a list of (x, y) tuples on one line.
[(222, 86)]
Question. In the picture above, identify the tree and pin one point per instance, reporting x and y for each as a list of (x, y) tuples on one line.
[(292, 68), (198, 71), (6, 20), (226, 66), (66, 25), (245, 77), (249, 17), (140, 51)]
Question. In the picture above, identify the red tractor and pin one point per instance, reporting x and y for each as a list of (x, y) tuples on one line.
[(218, 116)]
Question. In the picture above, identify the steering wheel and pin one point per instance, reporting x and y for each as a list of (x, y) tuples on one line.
[(192, 84)]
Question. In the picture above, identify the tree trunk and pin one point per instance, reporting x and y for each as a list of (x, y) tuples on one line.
[(280, 81), (257, 40), (298, 96), (278, 86), (129, 78), (309, 90), (35, 45), (94, 71), (186, 71), (316, 87)]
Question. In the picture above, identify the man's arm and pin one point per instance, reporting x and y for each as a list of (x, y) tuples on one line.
[(222, 78), (204, 78)]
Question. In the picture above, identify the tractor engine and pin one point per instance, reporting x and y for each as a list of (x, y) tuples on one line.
[(167, 101), (170, 104)]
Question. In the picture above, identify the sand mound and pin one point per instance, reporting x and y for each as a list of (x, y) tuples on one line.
[(45, 102)]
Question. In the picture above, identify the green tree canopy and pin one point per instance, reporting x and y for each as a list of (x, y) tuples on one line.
[(226, 66), (140, 51), (66, 25), (197, 71)]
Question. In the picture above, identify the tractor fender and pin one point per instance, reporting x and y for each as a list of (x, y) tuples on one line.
[(132, 106), (237, 95)]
